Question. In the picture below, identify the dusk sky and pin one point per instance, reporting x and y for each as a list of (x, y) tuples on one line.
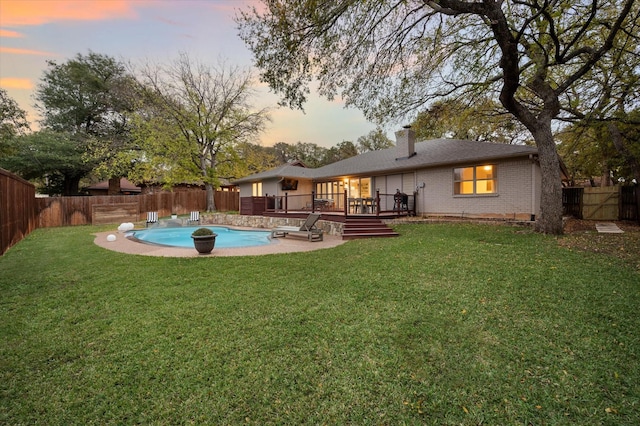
[(34, 31)]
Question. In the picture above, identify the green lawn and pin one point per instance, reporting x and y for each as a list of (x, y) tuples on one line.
[(447, 324)]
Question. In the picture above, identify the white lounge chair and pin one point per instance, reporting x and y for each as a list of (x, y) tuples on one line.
[(152, 217), (307, 230), (194, 217)]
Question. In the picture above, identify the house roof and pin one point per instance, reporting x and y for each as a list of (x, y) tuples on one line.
[(125, 185), (432, 153), (287, 170)]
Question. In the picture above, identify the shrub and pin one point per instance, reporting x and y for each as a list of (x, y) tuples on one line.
[(201, 232)]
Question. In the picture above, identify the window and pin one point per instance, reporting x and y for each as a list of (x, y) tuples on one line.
[(475, 180), (359, 188), (256, 189)]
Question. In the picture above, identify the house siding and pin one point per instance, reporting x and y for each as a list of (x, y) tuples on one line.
[(408, 183), (516, 197), (245, 189), (301, 197)]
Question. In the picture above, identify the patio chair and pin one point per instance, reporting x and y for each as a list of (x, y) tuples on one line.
[(152, 217), (308, 229), (194, 217)]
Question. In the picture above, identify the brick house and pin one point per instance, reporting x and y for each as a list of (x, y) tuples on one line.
[(441, 177)]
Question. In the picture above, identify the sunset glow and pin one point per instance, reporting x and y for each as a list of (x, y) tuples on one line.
[(16, 83), (33, 12), (35, 32), (16, 51), (10, 34)]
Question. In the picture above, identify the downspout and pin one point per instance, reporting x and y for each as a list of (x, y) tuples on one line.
[(533, 187)]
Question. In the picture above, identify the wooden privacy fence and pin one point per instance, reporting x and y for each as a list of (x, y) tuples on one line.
[(17, 209), (66, 211), (572, 202), (602, 203), (21, 212), (630, 203)]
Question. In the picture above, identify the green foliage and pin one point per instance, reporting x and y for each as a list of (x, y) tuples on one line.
[(342, 151), (396, 58), (54, 158), (201, 232), (374, 141), (89, 96), (481, 121), (168, 157), (447, 324), (603, 137), (13, 122), (310, 154), (590, 154), (86, 94), (313, 155), (245, 159), (192, 118)]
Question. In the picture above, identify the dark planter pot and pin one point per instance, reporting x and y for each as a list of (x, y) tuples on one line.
[(204, 244)]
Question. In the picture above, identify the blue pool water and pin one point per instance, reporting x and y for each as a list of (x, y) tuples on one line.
[(181, 237)]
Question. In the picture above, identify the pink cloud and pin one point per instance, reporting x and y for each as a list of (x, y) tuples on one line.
[(16, 83), (33, 12), (10, 34), (15, 51)]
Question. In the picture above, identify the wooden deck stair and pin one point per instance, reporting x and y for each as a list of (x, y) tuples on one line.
[(355, 227)]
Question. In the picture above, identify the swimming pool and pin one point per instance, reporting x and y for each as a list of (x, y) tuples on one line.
[(181, 237)]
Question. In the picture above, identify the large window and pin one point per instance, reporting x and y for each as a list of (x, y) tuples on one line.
[(475, 180)]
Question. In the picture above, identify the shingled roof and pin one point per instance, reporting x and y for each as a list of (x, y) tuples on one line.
[(432, 153), (285, 171)]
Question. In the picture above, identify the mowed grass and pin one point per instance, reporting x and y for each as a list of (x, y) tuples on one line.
[(447, 324)]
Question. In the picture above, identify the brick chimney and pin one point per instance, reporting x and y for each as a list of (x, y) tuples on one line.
[(405, 143)]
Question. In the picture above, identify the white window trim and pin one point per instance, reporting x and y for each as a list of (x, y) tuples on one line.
[(475, 194)]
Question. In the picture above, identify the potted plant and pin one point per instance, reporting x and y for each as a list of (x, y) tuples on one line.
[(174, 215), (203, 240)]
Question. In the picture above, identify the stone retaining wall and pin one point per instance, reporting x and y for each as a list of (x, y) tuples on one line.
[(248, 221)]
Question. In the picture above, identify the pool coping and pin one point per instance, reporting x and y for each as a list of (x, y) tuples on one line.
[(123, 244)]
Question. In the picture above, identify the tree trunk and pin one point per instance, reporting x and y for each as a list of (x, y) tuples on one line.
[(211, 202), (71, 185), (550, 220), (114, 186)]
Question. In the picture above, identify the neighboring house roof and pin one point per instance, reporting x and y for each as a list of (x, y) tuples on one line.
[(125, 186), (437, 152), (286, 170), (224, 182)]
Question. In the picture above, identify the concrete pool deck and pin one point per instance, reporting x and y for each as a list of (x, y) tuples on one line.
[(279, 245)]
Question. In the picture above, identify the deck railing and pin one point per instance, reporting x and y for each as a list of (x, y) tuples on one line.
[(390, 204)]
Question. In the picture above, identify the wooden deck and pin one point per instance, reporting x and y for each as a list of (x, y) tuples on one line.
[(361, 217), (355, 226)]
